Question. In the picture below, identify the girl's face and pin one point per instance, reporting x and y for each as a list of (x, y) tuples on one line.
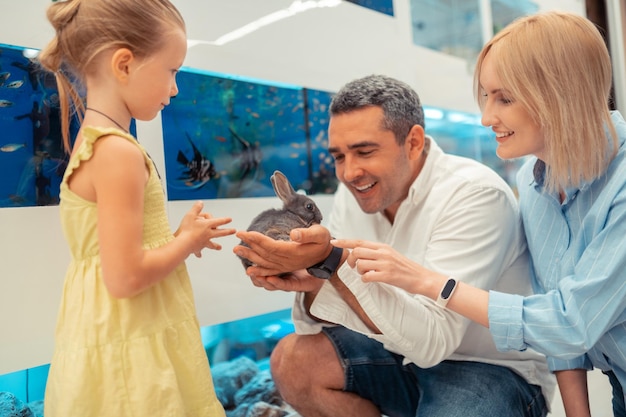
[(153, 82), (516, 132)]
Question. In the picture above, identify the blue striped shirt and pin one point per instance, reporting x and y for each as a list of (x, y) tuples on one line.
[(578, 256)]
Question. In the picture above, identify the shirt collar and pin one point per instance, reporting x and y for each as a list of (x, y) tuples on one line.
[(539, 176), (416, 191), (539, 172)]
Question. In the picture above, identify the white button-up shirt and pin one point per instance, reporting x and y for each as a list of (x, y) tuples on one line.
[(460, 219)]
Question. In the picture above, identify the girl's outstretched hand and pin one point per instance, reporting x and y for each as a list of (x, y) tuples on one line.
[(201, 228)]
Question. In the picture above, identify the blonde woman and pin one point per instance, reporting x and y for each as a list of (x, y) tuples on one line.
[(543, 84)]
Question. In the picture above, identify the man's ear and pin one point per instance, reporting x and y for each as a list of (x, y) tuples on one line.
[(121, 63), (415, 142)]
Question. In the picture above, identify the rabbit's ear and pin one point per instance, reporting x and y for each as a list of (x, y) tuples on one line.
[(282, 187)]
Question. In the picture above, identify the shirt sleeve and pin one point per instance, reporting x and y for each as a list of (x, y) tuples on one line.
[(583, 304), (506, 325), (567, 322), (579, 362), (397, 314), (505, 321), (301, 320), (476, 236)]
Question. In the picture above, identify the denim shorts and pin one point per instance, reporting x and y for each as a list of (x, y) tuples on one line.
[(619, 407), (449, 389)]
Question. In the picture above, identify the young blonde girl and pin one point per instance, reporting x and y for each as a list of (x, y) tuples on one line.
[(127, 336)]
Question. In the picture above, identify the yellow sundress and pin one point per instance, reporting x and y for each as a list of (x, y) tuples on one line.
[(141, 356)]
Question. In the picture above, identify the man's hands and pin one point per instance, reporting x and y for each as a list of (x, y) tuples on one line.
[(298, 281), (289, 259), (307, 247)]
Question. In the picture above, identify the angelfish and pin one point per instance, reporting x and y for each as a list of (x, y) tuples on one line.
[(199, 169)]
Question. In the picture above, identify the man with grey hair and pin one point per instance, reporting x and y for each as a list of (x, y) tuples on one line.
[(365, 348)]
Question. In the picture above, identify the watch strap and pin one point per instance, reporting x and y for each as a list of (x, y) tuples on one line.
[(328, 266)]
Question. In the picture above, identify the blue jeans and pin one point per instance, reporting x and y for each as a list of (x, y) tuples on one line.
[(449, 389), (619, 409)]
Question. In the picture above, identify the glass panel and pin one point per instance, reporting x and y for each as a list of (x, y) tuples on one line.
[(506, 11), (455, 26), (450, 26)]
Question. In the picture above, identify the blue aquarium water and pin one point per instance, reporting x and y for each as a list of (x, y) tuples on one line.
[(224, 136), (382, 6), (32, 159)]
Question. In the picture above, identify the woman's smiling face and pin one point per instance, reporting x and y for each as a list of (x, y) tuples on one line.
[(516, 132)]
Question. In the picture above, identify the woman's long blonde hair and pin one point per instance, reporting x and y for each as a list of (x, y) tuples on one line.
[(85, 28), (557, 66)]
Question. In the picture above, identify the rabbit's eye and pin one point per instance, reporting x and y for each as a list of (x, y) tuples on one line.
[(309, 206)]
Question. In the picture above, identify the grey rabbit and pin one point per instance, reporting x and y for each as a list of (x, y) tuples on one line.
[(298, 211)]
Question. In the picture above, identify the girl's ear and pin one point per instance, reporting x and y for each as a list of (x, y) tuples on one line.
[(415, 142), (121, 63)]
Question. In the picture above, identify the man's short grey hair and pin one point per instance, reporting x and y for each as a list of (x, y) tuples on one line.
[(401, 105)]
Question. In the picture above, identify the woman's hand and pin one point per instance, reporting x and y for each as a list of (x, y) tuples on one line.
[(378, 262)]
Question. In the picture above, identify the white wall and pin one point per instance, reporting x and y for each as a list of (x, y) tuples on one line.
[(321, 48)]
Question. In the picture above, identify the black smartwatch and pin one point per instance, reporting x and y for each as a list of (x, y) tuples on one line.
[(328, 266)]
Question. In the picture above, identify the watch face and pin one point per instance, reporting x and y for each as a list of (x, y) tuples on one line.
[(447, 289), (319, 272)]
